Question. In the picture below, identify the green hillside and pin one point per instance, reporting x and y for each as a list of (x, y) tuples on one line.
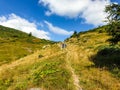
[(98, 66), (15, 44), (89, 62)]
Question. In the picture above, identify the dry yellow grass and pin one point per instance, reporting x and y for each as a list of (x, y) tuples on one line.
[(33, 58), (84, 74), (91, 77)]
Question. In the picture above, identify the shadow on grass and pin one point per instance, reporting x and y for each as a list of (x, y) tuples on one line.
[(109, 58)]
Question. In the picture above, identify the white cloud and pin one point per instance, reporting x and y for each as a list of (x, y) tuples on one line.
[(58, 30), (24, 25), (92, 11)]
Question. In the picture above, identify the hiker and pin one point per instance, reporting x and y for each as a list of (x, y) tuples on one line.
[(63, 46)]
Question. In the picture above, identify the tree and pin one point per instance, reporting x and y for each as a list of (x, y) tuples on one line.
[(113, 11), (30, 34), (75, 34), (113, 19)]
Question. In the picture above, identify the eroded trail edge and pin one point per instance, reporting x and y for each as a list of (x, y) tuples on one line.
[(69, 57)]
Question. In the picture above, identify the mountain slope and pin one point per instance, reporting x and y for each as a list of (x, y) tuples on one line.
[(46, 72), (15, 44), (102, 75), (53, 68)]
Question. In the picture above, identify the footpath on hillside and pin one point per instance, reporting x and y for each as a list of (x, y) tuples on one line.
[(75, 59), (71, 56)]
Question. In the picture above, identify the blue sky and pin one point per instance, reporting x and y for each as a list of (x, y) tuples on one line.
[(53, 19)]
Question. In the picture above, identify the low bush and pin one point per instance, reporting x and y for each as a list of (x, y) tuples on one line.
[(108, 56)]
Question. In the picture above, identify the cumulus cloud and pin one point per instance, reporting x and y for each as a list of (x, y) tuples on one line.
[(58, 30), (92, 11), (24, 25)]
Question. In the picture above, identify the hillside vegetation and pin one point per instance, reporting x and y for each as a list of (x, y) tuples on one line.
[(98, 65), (15, 44), (89, 62)]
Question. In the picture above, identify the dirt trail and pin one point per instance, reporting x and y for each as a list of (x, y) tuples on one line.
[(71, 56)]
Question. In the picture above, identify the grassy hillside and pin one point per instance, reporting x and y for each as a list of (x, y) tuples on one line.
[(98, 63), (15, 44), (46, 72), (83, 65)]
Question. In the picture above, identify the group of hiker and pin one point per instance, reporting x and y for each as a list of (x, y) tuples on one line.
[(63, 45)]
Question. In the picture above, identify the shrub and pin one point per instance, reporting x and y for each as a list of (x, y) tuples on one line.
[(108, 56), (40, 56)]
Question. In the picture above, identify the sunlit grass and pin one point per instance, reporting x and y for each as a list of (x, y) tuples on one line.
[(92, 77), (50, 68)]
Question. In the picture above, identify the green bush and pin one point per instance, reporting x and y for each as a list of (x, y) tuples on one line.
[(108, 56)]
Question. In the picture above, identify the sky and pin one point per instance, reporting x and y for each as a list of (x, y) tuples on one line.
[(53, 19)]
